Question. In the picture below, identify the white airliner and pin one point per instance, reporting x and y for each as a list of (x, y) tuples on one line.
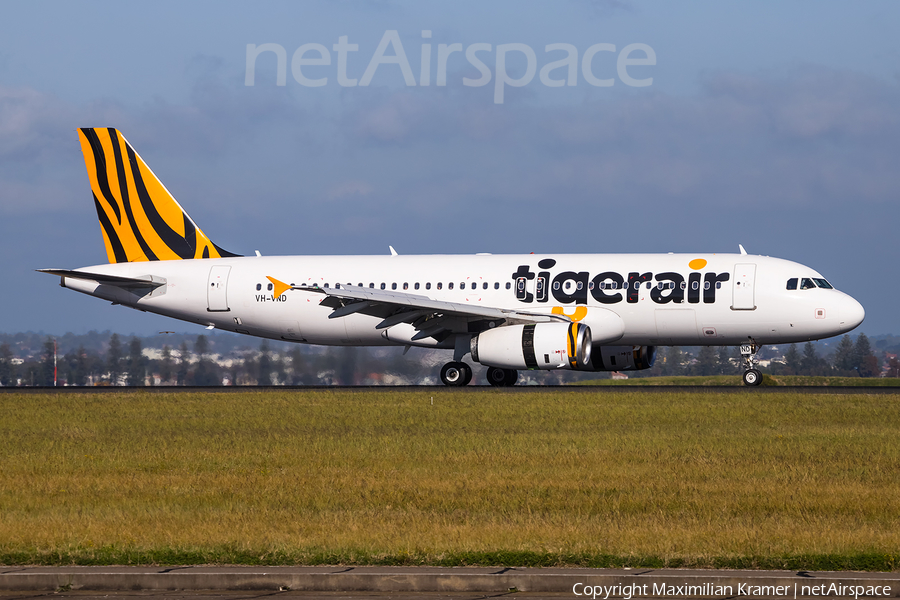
[(587, 312)]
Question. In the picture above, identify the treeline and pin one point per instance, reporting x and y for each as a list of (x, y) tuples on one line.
[(126, 363), (107, 359), (850, 359)]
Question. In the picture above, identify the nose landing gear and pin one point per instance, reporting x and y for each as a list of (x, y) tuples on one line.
[(752, 375)]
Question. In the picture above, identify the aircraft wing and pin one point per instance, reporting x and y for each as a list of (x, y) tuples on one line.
[(430, 317)]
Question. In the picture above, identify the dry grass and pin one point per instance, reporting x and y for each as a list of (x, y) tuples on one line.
[(387, 476)]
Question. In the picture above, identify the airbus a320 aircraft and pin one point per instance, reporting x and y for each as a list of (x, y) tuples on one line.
[(586, 312)]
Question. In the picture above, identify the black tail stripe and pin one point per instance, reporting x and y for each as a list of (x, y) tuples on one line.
[(100, 166), (145, 247), (169, 236), (118, 250)]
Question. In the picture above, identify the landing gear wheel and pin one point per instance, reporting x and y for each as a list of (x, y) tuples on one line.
[(752, 377), (456, 374), (496, 377), (502, 377), (467, 373)]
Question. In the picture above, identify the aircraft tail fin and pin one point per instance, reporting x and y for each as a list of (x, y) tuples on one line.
[(139, 218)]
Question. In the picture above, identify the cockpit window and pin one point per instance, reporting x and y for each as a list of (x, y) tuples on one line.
[(807, 284), (792, 283), (823, 284)]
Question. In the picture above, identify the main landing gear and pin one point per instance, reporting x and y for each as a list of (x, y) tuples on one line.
[(752, 375), (502, 377), (456, 373)]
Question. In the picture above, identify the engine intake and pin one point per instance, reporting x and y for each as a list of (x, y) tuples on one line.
[(535, 346)]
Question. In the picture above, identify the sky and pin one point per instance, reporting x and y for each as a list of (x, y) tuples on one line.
[(694, 127)]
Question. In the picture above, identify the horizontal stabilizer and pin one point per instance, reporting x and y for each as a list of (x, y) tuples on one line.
[(146, 281)]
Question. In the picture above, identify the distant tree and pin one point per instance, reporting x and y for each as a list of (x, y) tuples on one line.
[(264, 367), (810, 364), (114, 359), (792, 360), (867, 362), (893, 369), (7, 368), (707, 361), (845, 360), (672, 362), (184, 362), (166, 365), (347, 365), (205, 373), (298, 377), (46, 372), (723, 363), (136, 363)]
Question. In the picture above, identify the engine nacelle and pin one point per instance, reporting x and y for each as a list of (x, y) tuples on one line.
[(621, 358), (534, 346)]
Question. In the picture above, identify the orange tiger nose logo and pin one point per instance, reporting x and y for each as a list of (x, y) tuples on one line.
[(578, 314)]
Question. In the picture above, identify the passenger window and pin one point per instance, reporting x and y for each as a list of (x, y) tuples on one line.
[(417, 285), (485, 286), (383, 286), (258, 286), (684, 285), (474, 285), (450, 286), (718, 285), (496, 285), (649, 285), (580, 285), (806, 284), (405, 286), (371, 285), (462, 285), (568, 285), (440, 285), (695, 285), (326, 285), (508, 285), (659, 285), (270, 287), (393, 286), (705, 285), (428, 286), (555, 285)]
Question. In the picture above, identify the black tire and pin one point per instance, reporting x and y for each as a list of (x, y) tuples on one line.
[(467, 373), (497, 377), (512, 376), (752, 377), (454, 374)]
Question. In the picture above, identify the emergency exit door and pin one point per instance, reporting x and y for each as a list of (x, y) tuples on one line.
[(217, 289), (744, 284)]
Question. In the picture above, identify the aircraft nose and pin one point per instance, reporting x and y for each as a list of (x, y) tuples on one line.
[(852, 313)]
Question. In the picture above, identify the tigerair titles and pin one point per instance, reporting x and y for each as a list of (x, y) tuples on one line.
[(609, 287)]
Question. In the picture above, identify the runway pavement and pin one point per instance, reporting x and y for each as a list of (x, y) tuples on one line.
[(238, 582)]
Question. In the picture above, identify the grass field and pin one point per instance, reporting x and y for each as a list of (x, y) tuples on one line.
[(491, 477)]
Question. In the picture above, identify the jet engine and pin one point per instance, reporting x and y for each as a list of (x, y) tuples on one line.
[(621, 358), (534, 346)]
